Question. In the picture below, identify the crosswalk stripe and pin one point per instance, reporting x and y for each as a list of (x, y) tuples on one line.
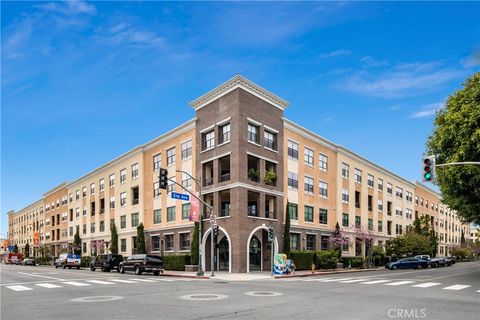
[(399, 283), (48, 285), (19, 288), (456, 287), (143, 280), (354, 280), (77, 284), (122, 281), (327, 279), (99, 282), (426, 285), (159, 279), (375, 281)]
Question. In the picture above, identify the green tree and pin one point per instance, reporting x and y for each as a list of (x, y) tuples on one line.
[(286, 232), (194, 248), (113, 239), (456, 138), (462, 240), (410, 244), (141, 239), (77, 243), (27, 250)]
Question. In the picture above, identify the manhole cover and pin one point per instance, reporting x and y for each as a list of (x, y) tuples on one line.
[(263, 293), (204, 297), (97, 299)]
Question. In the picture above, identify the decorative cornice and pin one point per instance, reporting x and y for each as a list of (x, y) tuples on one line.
[(239, 82)]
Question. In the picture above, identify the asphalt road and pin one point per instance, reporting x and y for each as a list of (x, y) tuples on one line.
[(48, 293)]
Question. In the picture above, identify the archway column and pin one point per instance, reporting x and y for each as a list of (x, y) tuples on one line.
[(262, 227), (204, 242)]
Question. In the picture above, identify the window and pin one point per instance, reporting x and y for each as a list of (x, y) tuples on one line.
[(171, 212), (380, 184), (224, 133), (308, 185), (155, 243), (184, 241), (399, 192), (308, 157), (77, 212), (370, 181), (171, 184), (111, 180), (398, 229), (157, 216), (84, 211), (358, 175), (308, 213), (101, 184), (157, 159), (84, 229), (123, 245), (345, 170), (135, 171), (323, 216), (135, 195), (156, 189), (208, 140), (123, 175), (70, 197), (389, 188), (380, 205), (294, 241), (187, 150), (70, 231), (323, 186), (112, 202), (134, 219), (92, 227), (358, 221), (102, 226), (185, 211), (409, 197), (345, 221), (77, 194), (380, 226), (253, 133), (370, 203), (292, 180), (409, 213), (171, 156), (84, 247), (123, 199), (186, 181), (398, 211), (370, 224), (123, 222), (310, 242), (345, 196), (323, 162), (292, 150), (293, 211), (270, 140), (169, 242), (92, 188)]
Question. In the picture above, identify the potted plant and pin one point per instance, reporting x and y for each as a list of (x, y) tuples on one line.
[(253, 174), (270, 177)]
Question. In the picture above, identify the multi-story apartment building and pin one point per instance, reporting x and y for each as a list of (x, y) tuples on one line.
[(251, 165)]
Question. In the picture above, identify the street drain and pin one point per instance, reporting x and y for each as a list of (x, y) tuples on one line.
[(97, 299), (204, 297), (263, 293)]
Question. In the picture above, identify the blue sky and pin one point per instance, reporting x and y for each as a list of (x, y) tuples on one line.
[(83, 82)]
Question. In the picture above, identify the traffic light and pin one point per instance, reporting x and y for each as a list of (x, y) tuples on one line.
[(215, 230), (428, 164), (271, 234), (163, 178)]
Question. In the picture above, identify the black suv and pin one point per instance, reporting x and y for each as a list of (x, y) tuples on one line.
[(106, 262), (140, 263)]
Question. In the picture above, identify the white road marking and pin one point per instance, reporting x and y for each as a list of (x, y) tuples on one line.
[(456, 287), (399, 283), (99, 282), (143, 280), (19, 288), (354, 280), (376, 281), (122, 281), (426, 285), (77, 284), (167, 280), (328, 279), (39, 276), (48, 285)]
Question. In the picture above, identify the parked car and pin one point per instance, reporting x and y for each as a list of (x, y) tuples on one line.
[(106, 262), (140, 263), (407, 263), (68, 260), (448, 261), (452, 259), (28, 262), (13, 258), (432, 262)]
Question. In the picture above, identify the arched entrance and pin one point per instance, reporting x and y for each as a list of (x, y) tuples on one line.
[(255, 254), (223, 250), (260, 233)]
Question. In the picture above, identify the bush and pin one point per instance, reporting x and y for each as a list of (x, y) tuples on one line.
[(176, 262), (327, 259), (43, 261), (354, 262), (303, 259), (85, 262)]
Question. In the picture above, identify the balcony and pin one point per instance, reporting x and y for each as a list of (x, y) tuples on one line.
[(224, 168), (208, 182), (207, 174), (253, 170)]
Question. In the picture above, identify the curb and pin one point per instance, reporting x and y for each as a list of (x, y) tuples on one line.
[(325, 273), (183, 276)]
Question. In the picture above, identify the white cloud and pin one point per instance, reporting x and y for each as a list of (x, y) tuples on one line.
[(69, 7), (336, 53), (372, 62), (471, 61), (402, 80), (124, 34), (428, 110)]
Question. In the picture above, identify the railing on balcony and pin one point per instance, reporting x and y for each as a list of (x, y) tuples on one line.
[(135, 201), (252, 211), (225, 177), (208, 182)]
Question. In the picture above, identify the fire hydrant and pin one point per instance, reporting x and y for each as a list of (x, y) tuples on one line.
[(313, 267)]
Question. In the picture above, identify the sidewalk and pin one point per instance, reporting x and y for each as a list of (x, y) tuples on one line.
[(308, 273)]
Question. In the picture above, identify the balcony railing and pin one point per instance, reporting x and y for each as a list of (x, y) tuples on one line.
[(208, 182), (225, 177), (135, 201), (252, 211)]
